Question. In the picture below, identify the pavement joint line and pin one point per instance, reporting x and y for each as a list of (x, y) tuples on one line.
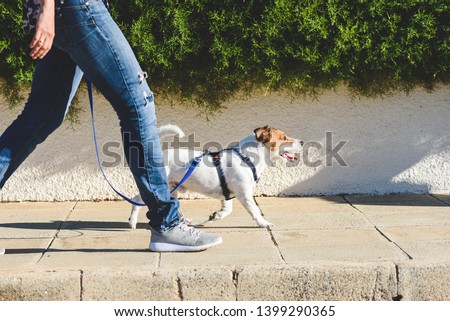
[(393, 242), (272, 237), (378, 230), (235, 278), (398, 297), (159, 259), (180, 288), (274, 241), (81, 285), (439, 199), (362, 213), (58, 229)]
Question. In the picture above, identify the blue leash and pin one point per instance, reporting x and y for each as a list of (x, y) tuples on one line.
[(186, 176)]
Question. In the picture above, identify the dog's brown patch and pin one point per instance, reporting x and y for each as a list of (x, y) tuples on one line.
[(272, 137)]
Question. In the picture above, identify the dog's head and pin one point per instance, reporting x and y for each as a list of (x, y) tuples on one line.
[(280, 145)]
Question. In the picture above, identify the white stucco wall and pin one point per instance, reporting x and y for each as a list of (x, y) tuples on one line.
[(399, 144)]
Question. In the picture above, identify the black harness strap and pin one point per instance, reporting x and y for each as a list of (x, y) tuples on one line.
[(217, 163), (223, 182)]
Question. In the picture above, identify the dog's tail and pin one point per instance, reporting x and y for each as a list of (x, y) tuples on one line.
[(170, 130)]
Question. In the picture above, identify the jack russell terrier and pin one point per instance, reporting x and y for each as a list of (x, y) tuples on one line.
[(232, 172)]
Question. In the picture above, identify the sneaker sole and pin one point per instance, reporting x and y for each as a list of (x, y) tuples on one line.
[(169, 247), (2, 251)]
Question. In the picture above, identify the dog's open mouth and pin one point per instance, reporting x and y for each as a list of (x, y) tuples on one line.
[(289, 156)]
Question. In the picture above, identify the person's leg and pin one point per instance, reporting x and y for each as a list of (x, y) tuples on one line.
[(100, 49), (54, 83)]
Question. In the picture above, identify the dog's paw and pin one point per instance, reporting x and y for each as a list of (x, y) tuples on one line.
[(264, 223), (132, 222), (216, 216)]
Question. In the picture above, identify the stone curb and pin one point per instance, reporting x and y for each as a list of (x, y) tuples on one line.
[(314, 282), (424, 282), (40, 286)]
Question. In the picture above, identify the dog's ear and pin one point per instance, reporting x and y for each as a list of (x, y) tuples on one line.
[(262, 134)]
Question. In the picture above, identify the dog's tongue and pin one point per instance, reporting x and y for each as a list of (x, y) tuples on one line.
[(289, 156)]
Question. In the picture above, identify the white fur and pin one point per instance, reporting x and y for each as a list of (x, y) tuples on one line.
[(238, 175)]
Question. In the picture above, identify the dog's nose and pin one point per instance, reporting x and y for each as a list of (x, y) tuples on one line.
[(302, 143)]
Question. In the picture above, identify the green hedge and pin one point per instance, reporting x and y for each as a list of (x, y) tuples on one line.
[(206, 51)]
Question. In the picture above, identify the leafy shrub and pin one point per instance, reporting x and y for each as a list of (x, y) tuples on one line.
[(206, 51)]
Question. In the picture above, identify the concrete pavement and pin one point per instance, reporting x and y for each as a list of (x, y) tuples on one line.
[(393, 247)]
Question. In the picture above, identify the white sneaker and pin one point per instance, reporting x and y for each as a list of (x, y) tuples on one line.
[(182, 238)]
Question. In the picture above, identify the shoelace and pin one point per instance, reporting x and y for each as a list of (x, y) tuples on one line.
[(184, 227)]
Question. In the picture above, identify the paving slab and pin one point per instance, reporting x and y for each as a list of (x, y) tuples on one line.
[(33, 220), (240, 247), (311, 213), (412, 218), (200, 210), (443, 198), (22, 253), (336, 245), (403, 210), (422, 242), (42, 207), (420, 204), (100, 251), (98, 222), (244, 242), (101, 218)]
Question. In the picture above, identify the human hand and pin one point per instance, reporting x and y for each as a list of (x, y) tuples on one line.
[(45, 30)]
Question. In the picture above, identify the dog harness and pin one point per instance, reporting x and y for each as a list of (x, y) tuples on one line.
[(218, 164)]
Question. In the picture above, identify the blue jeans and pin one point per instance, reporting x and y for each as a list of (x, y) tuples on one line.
[(88, 41)]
